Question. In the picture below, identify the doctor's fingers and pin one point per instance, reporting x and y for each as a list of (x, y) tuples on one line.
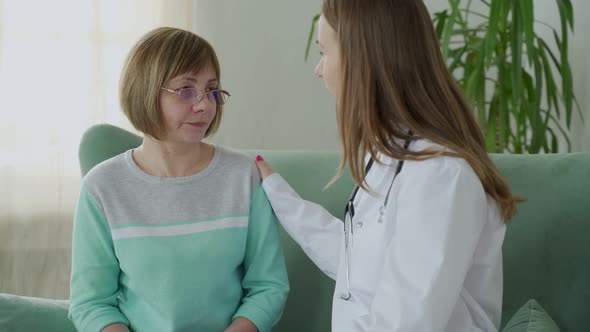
[(263, 167)]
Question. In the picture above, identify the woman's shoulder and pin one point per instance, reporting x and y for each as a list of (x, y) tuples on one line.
[(234, 155), (447, 175), (235, 161), (107, 171), (443, 167)]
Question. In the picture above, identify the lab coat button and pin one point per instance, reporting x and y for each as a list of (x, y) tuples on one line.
[(359, 224)]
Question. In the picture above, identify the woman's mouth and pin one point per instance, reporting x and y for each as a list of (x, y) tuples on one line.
[(199, 124)]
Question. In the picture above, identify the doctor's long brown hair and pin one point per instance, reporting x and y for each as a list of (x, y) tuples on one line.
[(393, 79)]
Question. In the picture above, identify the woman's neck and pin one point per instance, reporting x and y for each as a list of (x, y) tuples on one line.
[(167, 159)]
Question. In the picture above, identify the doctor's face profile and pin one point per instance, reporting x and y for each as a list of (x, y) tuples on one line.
[(328, 69)]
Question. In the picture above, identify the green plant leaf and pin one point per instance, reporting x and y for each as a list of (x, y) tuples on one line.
[(492, 143), (566, 11), (494, 22), (539, 126), (579, 109), (314, 20), (457, 55), (567, 82), (537, 131), (528, 21), (516, 48), (551, 88), (448, 28), (566, 17), (554, 145), (550, 52), (558, 125), (503, 108), (546, 119), (440, 20)]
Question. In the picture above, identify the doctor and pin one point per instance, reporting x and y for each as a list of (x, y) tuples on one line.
[(420, 245)]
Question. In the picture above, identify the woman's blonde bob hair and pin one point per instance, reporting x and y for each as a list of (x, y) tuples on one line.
[(158, 57)]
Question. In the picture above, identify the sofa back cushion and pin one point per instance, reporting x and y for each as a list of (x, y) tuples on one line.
[(547, 246)]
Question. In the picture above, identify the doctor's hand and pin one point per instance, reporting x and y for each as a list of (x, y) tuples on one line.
[(263, 167)]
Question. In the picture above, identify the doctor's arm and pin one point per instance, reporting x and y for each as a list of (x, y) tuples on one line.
[(439, 220), (317, 232)]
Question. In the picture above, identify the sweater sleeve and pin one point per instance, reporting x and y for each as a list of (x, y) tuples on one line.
[(265, 281), (94, 285)]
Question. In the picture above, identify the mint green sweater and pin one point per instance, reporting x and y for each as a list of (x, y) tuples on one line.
[(176, 254)]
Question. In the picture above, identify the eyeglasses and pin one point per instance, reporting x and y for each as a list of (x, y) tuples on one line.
[(189, 95)]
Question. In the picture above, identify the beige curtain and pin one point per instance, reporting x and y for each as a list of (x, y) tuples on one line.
[(60, 63)]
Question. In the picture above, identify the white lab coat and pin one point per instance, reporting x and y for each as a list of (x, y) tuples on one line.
[(433, 264)]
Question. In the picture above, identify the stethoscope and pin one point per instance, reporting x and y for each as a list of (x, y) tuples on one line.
[(349, 214)]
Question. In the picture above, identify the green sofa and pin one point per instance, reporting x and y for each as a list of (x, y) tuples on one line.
[(546, 250)]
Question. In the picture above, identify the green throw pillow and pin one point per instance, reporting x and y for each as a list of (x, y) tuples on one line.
[(30, 314), (531, 317)]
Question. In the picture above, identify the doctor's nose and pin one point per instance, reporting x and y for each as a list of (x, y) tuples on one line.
[(318, 70)]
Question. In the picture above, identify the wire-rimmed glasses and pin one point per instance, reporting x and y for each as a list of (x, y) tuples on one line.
[(190, 95)]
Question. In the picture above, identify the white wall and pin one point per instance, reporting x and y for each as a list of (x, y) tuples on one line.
[(277, 102)]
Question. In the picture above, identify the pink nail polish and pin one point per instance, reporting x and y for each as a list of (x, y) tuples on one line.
[(259, 158)]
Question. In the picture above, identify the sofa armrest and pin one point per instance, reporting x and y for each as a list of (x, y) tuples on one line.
[(20, 313)]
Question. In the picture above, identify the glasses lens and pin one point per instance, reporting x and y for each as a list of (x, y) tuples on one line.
[(220, 96), (187, 95), (215, 94)]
